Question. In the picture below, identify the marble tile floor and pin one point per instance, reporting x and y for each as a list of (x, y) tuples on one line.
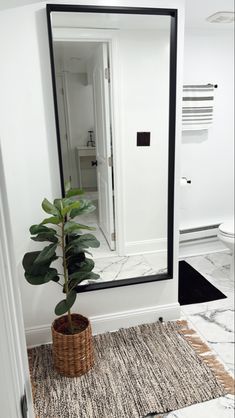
[(214, 321), (110, 266), (114, 268)]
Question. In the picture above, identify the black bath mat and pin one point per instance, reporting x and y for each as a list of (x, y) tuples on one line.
[(194, 288)]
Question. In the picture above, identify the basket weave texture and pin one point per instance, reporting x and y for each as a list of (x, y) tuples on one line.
[(72, 354)]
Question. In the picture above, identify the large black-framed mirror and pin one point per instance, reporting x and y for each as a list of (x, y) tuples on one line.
[(114, 86)]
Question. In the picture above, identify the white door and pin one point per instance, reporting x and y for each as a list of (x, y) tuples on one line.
[(64, 136), (103, 143)]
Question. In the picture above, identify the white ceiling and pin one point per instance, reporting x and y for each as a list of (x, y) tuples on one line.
[(196, 12)]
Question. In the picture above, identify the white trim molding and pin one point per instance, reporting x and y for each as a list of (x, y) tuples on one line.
[(110, 322), (201, 247), (146, 246), (199, 241), (14, 376)]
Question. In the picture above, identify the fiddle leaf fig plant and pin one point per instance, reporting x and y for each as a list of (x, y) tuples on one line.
[(69, 242)]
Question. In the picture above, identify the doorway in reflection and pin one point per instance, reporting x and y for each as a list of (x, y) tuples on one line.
[(83, 93)]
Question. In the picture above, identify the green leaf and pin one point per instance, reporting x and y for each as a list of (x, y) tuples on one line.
[(72, 226), (51, 274), (67, 201), (38, 229), (45, 237), (64, 305), (86, 241), (58, 204), (71, 297), (74, 192), (29, 259), (93, 276), (67, 209), (90, 228), (56, 279), (39, 271), (48, 207), (46, 254), (78, 277), (36, 280), (86, 206), (87, 265), (75, 282), (61, 307), (52, 220)]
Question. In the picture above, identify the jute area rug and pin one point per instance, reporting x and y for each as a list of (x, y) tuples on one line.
[(153, 368)]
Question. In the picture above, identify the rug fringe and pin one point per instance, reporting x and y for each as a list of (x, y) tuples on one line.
[(205, 353)]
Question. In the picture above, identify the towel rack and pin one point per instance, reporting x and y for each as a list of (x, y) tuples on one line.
[(214, 85)]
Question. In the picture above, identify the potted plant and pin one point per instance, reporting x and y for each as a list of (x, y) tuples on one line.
[(68, 247)]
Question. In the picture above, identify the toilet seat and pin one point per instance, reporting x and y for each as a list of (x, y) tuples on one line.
[(227, 229)]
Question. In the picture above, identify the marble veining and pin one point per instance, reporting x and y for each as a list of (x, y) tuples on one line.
[(217, 327), (116, 268), (223, 318), (214, 267), (216, 408), (110, 266), (214, 322)]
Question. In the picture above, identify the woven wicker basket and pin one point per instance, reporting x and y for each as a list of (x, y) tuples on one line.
[(72, 354)]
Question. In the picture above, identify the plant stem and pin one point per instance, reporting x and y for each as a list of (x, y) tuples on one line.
[(66, 276)]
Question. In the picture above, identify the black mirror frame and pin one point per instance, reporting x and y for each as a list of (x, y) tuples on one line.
[(173, 13)]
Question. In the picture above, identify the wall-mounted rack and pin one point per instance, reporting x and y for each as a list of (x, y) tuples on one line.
[(213, 85)]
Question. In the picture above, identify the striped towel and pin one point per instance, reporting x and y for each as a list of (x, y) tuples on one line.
[(197, 106)]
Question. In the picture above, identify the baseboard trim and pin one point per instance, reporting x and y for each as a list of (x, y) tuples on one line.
[(202, 246), (146, 246), (39, 335)]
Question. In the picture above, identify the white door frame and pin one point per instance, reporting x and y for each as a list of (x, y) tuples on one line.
[(64, 79), (109, 36), (99, 64), (14, 378)]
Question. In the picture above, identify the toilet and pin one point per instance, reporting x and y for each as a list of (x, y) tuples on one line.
[(227, 236)]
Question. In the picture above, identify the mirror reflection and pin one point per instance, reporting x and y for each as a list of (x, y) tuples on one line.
[(112, 91)]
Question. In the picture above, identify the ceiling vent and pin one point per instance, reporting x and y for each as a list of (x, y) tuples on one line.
[(221, 17)]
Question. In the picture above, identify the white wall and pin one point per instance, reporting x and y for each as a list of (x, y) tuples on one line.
[(27, 131), (144, 92), (141, 75), (80, 96), (208, 156), (81, 120)]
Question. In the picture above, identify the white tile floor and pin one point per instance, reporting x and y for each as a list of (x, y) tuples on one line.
[(214, 321)]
